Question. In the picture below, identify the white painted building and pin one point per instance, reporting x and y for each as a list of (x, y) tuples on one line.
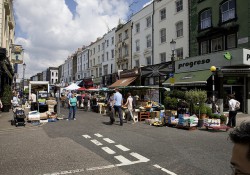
[(82, 63), (170, 22), (142, 37), (67, 70), (53, 75)]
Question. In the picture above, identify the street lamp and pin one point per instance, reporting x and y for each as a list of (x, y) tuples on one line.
[(213, 70), (172, 45), (24, 66)]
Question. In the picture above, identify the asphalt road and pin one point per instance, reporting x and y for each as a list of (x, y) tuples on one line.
[(90, 146)]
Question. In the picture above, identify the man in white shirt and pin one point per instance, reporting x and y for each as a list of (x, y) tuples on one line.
[(33, 100), (232, 111), (118, 104)]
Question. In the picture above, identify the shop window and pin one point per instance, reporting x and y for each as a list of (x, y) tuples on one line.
[(163, 14), (227, 10), (163, 35), (179, 29), (205, 19), (163, 57), (204, 47), (179, 5), (217, 44), (231, 41)]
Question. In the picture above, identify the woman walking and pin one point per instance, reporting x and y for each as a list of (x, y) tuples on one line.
[(72, 106)]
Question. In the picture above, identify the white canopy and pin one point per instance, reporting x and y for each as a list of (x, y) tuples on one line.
[(73, 86)]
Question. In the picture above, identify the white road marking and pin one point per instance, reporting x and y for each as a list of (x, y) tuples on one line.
[(121, 147), (124, 161), (163, 169), (86, 136), (108, 150), (96, 142), (66, 172), (108, 140), (100, 167), (98, 135), (139, 157)]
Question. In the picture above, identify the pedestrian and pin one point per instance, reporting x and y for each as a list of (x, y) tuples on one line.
[(232, 111), (33, 100), (111, 103), (240, 159), (118, 104), (79, 100), (63, 99), (85, 101), (129, 104), (69, 95), (72, 106), (14, 100)]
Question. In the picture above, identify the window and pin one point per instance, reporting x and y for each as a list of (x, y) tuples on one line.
[(107, 54), (148, 21), (102, 57), (105, 69), (163, 57), (179, 29), (126, 50), (148, 60), (231, 41), (120, 52), (112, 53), (179, 5), (52, 74), (205, 19), (179, 53), (137, 63), (99, 59), (228, 10), (120, 37), (126, 34), (137, 45), (112, 40), (111, 69), (148, 38), (94, 61), (163, 14), (94, 50), (217, 44), (103, 45), (163, 35), (107, 41), (99, 48), (137, 28), (204, 47)]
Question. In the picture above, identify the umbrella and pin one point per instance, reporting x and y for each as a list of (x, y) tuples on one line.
[(73, 86)]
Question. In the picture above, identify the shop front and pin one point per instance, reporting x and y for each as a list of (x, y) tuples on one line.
[(231, 76)]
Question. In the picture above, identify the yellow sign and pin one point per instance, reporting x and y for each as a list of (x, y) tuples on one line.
[(172, 80)]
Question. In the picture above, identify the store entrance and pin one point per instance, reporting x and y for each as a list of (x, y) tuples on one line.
[(238, 90)]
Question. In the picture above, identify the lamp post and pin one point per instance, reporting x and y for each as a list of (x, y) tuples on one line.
[(213, 70), (172, 46), (24, 66)]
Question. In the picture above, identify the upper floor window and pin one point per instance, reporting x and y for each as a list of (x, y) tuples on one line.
[(231, 41), (137, 28), (179, 29), (126, 34), (103, 45), (107, 42), (204, 47), (148, 38), (217, 44), (120, 37), (163, 57), (179, 5), (228, 10), (148, 21), (137, 63), (112, 40), (102, 57), (126, 50), (148, 60), (163, 35), (163, 14), (137, 45), (112, 53), (205, 19), (105, 70), (179, 53), (107, 54), (99, 48)]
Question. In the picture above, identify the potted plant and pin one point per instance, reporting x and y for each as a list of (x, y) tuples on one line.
[(6, 98)]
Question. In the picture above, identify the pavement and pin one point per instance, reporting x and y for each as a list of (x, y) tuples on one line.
[(6, 117)]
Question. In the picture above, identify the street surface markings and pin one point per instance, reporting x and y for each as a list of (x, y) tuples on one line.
[(96, 142), (108, 140), (108, 150), (121, 147), (163, 169), (86, 136), (98, 135)]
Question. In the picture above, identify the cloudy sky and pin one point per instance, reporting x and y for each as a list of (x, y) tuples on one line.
[(51, 30)]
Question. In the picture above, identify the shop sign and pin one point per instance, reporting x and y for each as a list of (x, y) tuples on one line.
[(246, 56), (129, 73), (193, 63), (17, 54)]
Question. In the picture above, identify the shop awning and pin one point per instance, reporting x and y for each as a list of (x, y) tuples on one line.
[(123, 82), (198, 78)]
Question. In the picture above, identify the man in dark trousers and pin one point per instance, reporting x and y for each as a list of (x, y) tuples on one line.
[(79, 100), (85, 101)]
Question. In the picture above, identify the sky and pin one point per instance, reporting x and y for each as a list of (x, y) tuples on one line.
[(52, 30)]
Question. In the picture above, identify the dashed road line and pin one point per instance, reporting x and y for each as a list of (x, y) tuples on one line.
[(121, 147), (96, 142), (108, 140), (100, 167), (98, 135), (86, 136), (164, 170), (108, 150)]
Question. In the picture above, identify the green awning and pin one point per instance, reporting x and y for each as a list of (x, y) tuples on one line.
[(198, 78)]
